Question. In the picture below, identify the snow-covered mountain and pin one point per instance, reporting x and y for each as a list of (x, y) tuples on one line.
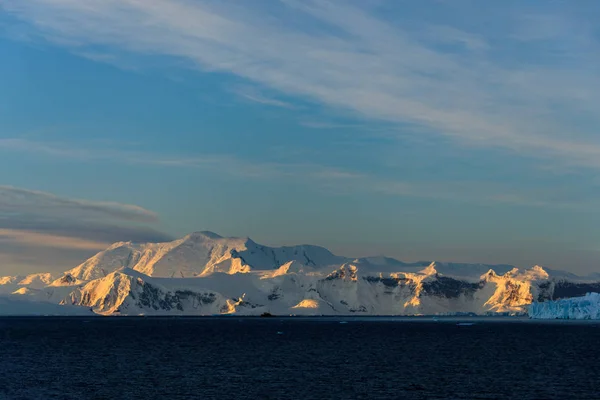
[(204, 274), (199, 254), (33, 281)]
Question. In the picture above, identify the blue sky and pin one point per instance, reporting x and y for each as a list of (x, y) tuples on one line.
[(463, 130)]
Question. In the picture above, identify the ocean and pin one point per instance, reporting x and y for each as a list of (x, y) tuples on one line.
[(297, 358)]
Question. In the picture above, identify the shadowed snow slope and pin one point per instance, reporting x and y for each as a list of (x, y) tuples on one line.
[(204, 274), (20, 306)]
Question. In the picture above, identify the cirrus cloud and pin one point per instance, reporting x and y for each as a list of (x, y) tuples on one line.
[(348, 56)]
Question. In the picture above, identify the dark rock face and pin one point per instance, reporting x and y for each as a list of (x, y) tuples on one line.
[(388, 281), (449, 288), (152, 297), (514, 298), (545, 291), (564, 289), (343, 273), (275, 294), (439, 287), (67, 279)]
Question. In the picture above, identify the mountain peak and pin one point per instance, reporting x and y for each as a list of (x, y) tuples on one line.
[(491, 274), (430, 270), (537, 272), (345, 272), (204, 235)]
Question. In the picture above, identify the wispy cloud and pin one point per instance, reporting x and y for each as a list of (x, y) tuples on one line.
[(254, 95), (540, 27), (355, 61), (17, 200), (32, 219), (37, 147), (331, 179), (451, 35), (48, 240), (315, 124)]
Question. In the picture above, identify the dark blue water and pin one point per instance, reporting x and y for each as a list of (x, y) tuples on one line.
[(244, 358)]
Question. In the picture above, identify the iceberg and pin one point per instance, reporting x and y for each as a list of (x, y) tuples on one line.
[(585, 307)]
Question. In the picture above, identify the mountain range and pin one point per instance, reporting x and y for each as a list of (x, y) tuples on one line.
[(206, 274)]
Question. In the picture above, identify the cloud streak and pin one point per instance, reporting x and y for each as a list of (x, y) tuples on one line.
[(348, 57), (47, 240), (75, 214), (17, 200), (256, 96), (41, 223)]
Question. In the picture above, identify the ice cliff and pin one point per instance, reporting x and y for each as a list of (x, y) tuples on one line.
[(584, 307)]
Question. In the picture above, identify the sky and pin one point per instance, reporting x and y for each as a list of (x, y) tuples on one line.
[(460, 131)]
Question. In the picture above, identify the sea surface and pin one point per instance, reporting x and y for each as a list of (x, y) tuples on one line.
[(297, 358)]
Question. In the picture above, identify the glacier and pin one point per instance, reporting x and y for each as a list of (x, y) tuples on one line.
[(204, 273), (584, 307)]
